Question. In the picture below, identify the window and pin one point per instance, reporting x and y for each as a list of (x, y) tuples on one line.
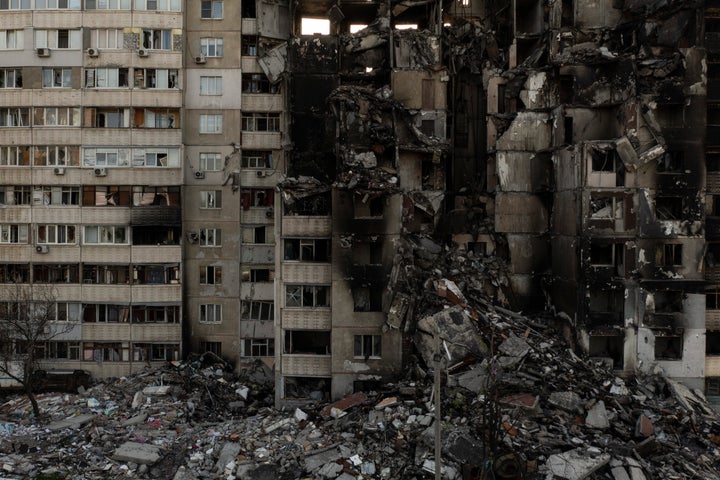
[(106, 157), (155, 157), (154, 196), (668, 346), (258, 275), (62, 350), (669, 255), (211, 47), (211, 162), (672, 162), (14, 273), (157, 118), (307, 296), (210, 85), (249, 44), (257, 310), (10, 233), (106, 78), (14, 156), (105, 313), (210, 275), (211, 123), (57, 4), (212, 347), (11, 77), (61, 39), (15, 5), (211, 9), (605, 207), (107, 4), (56, 78), (15, 195), (310, 26), (155, 314), (156, 274), (56, 155), (260, 122), (14, 117), (307, 249), (161, 78), (257, 197), (211, 313), (668, 207), (106, 234), (260, 234), (56, 195), (11, 39), (107, 117), (367, 346), (106, 274), (607, 254), (258, 347), (163, 5), (257, 83), (156, 39), (53, 273), (211, 199), (210, 237), (103, 352), (57, 116), (56, 234), (256, 159), (106, 38)]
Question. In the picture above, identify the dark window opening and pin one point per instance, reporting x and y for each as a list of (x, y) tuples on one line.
[(310, 206), (315, 388), (568, 125), (212, 347), (566, 88), (155, 235), (309, 342), (248, 9), (669, 255), (367, 299), (612, 347), (712, 343), (568, 13), (668, 301), (671, 162), (668, 347), (668, 208)]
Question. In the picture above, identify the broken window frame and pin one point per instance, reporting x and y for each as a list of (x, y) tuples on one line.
[(669, 255), (56, 116), (307, 250), (249, 45), (669, 342), (155, 314), (671, 163), (260, 122), (15, 195), (106, 235), (56, 155), (257, 310), (16, 155), (307, 296), (210, 237), (107, 78), (258, 347), (250, 234), (105, 313), (61, 350), (258, 83), (14, 233), (617, 254), (56, 77), (616, 206), (15, 117), (211, 199), (94, 274), (367, 347), (256, 159), (258, 275), (210, 313), (210, 275), (212, 347), (55, 234)]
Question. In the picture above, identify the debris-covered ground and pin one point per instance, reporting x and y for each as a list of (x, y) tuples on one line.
[(516, 403)]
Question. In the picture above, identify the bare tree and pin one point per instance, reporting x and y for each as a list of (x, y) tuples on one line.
[(28, 319)]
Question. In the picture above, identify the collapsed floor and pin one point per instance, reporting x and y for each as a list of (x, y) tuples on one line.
[(516, 403)]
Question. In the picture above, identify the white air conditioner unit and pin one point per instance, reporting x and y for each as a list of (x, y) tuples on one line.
[(92, 52), (143, 53), (42, 249), (59, 171), (199, 174), (43, 52), (260, 173), (100, 172), (269, 212), (200, 59)]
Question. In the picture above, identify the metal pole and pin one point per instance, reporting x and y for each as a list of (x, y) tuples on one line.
[(438, 440)]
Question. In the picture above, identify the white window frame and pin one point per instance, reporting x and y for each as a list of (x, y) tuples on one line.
[(258, 310), (15, 117), (210, 237), (211, 47), (10, 78), (107, 4), (163, 42), (251, 121), (297, 292), (259, 346), (49, 38), (211, 199), (11, 155), (59, 116), (210, 313), (13, 233), (158, 5), (211, 161), (56, 77), (57, 4), (157, 78), (106, 38), (211, 85), (106, 77), (210, 275), (251, 159), (12, 39), (16, 5), (213, 12), (113, 235), (56, 234), (211, 123)]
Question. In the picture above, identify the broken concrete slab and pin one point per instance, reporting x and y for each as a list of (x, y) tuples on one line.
[(314, 460), (568, 401), (140, 453), (474, 379), (597, 416), (575, 464), (345, 403), (71, 422), (514, 346), (228, 454)]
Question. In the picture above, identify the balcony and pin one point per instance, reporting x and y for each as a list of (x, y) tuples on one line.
[(712, 320), (307, 365), (306, 226), (712, 228), (307, 272), (712, 366), (162, 215), (139, 332), (306, 319), (257, 290)]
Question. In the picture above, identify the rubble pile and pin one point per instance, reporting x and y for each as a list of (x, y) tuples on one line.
[(516, 403)]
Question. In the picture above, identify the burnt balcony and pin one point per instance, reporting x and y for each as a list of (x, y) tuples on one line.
[(604, 320), (165, 215), (712, 228)]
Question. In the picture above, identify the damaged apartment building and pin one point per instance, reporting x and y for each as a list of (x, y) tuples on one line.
[(271, 180)]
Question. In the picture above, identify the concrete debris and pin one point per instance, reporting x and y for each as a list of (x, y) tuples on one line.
[(140, 453)]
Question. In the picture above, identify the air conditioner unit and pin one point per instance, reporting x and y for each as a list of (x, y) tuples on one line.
[(100, 172), (59, 171), (92, 52), (143, 53), (43, 52), (200, 59), (199, 174), (269, 212), (260, 173), (42, 249)]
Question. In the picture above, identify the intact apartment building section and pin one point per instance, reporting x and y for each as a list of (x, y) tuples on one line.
[(233, 134), (90, 160), (367, 122), (601, 176)]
